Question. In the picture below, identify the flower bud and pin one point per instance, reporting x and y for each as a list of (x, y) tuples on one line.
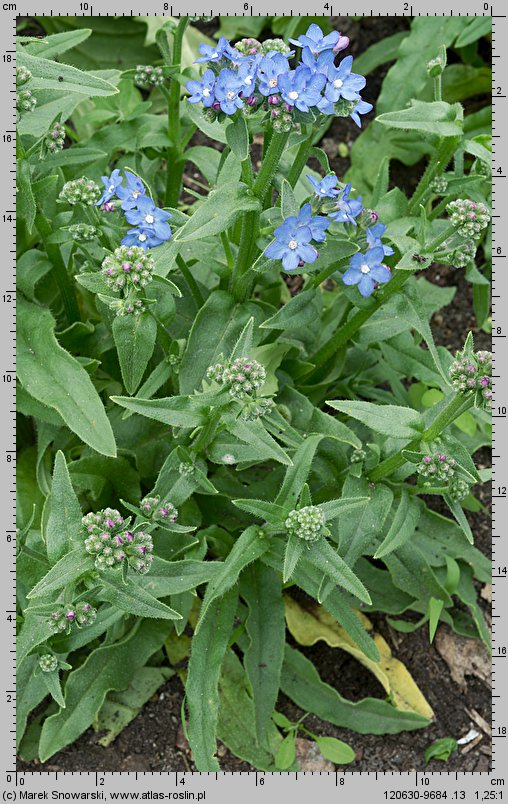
[(468, 217), (186, 468), (458, 489), (25, 102), (306, 523), (439, 185), (463, 254), (275, 46), (82, 232), (147, 76), (80, 191), (255, 408), (23, 76), (471, 373), (55, 138), (248, 46), (435, 67), (244, 376), (48, 663), (358, 455), (342, 43), (436, 468), (128, 267)]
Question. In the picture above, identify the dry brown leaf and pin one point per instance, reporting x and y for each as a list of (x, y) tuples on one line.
[(310, 757), (464, 657)]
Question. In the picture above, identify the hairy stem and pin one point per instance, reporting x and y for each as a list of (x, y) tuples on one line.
[(436, 166), (65, 285), (193, 285), (175, 162)]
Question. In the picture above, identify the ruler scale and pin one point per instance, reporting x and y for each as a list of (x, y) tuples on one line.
[(254, 786)]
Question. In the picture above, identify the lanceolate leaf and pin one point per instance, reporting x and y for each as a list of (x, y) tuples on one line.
[(133, 599), (403, 525), (262, 509), (135, 341), (255, 433), (323, 556), (208, 648), (389, 420), (71, 567), (56, 379), (63, 523), (297, 474), (295, 547), (260, 587), (218, 212)]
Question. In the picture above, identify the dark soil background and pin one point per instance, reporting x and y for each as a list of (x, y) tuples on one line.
[(154, 741)]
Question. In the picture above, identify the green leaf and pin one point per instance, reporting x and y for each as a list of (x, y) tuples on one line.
[(25, 202), (176, 411), (53, 377), (434, 609), (335, 750), (289, 205), (63, 523), (30, 691), (209, 645), (379, 53), (323, 556), (286, 754), (476, 28), (441, 749), (267, 511), (261, 589), (215, 331), (34, 631), (298, 473), (403, 526), (52, 682), (71, 567), (335, 508), (133, 599), (254, 433), (292, 554), (390, 420), (300, 681), (55, 45), (439, 119), (237, 136), (218, 212), (135, 341), (48, 74), (247, 548), (458, 513), (299, 312), (110, 667)]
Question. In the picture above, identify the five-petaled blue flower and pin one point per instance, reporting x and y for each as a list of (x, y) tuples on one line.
[(317, 224), (144, 238), (247, 73), (326, 188), (227, 91), (362, 107), (320, 63), (366, 271), (111, 185), (132, 192), (315, 39), (150, 218), (374, 235), (342, 83), (347, 209), (271, 68), (202, 91), (213, 53), (292, 245), (302, 88)]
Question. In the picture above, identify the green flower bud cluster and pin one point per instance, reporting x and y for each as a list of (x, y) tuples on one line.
[(25, 102), (153, 509), (147, 76), (249, 46), (129, 267), (48, 663), (435, 67), (255, 408), (243, 375), (80, 191), (55, 138), (472, 373), (282, 122), (358, 455), (80, 615), (306, 523), (129, 306), (186, 468), (82, 232), (23, 76), (468, 217), (439, 185), (463, 254), (274, 46), (436, 468), (458, 489), (109, 540)]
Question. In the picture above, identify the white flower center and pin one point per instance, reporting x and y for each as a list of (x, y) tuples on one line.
[(142, 238), (149, 218), (338, 83), (322, 190), (292, 95), (111, 188), (272, 82), (248, 80), (214, 56), (230, 95), (206, 93), (292, 245), (365, 269), (136, 193)]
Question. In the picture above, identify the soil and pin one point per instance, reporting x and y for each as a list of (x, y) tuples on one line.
[(154, 740)]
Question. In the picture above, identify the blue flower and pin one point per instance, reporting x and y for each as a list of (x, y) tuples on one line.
[(130, 194), (247, 73), (111, 185), (235, 57), (301, 88), (227, 91), (374, 235), (317, 223), (326, 188), (144, 238), (202, 91), (316, 41), (321, 64), (366, 270), (292, 245), (211, 53), (271, 68), (362, 107), (150, 219), (342, 83), (347, 209)]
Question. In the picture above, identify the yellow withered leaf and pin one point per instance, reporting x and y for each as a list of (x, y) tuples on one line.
[(309, 626)]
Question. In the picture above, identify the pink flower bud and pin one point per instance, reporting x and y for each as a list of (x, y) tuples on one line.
[(342, 43)]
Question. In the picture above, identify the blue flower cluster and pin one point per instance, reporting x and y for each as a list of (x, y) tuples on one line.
[(263, 79), (293, 239), (150, 223)]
